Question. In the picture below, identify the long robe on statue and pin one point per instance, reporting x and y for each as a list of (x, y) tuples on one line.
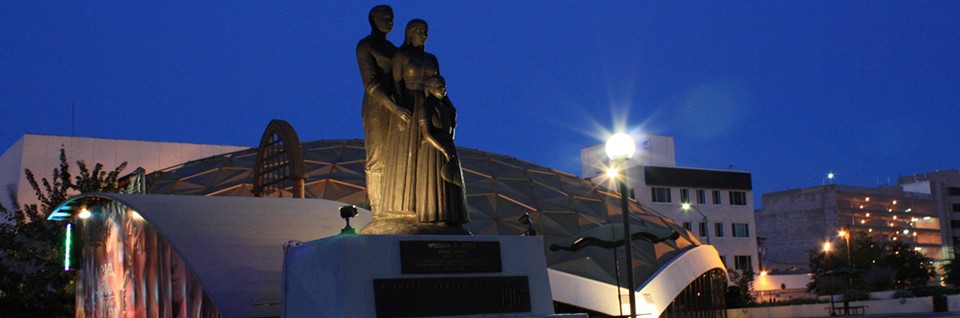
[(438, 200)]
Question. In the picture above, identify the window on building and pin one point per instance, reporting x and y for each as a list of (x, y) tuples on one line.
[(723, 259), (703, 229), (956, 207), (660, 195), (742, 263), (718, 229), (738, 198), (701, 197), (954, 191), (716, 196), (955, 224), (740, 229), (684, 195), (687, 226)]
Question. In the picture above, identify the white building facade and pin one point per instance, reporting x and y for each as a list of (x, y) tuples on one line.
[(41, 154), (720, 202)]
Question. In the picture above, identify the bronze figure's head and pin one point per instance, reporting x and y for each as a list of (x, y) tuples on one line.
[(416, 33), (436, 86), (381, 18)]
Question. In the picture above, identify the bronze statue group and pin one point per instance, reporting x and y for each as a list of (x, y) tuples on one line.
[(414, 180)]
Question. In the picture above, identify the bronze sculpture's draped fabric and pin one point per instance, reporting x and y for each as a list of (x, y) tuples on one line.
[(438, 201), (400, 174)]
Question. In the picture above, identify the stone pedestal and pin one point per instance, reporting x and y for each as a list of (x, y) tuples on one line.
[(417, 276)]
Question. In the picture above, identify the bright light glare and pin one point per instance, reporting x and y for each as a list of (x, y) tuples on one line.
[(685, 206), (831, 175), (613, 173), (620, 147), (842, 233), (826, 247), (763, 273), (84, 213)]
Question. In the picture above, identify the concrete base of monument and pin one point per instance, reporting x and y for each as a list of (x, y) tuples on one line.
[(408, 225), (417, 276)]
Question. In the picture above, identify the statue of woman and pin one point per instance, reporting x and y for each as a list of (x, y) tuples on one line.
[(411, 66), (375, 58), (439, 185)]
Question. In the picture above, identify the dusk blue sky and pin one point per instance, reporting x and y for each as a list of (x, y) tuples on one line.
[(787, 90)]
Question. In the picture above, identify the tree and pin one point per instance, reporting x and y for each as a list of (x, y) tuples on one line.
[(913, 269), (951, 271), (738, 294), (33, 282), (865, 252)]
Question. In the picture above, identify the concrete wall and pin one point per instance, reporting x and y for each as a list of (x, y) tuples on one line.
[(890, 306), (796, 221)]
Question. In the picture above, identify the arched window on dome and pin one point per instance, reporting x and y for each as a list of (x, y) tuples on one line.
[(279, 170)]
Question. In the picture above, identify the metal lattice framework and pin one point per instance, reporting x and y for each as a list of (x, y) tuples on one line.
[(500, 190), (279, 168)]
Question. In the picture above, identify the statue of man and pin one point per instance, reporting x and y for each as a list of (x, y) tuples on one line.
[(374, 56)]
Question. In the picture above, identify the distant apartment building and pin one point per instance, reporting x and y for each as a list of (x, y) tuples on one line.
[(922, 210), (720, 202), (41, 154), (944, 188)]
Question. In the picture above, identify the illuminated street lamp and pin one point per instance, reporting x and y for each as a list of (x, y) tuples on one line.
[(620, 147), (686, 207)]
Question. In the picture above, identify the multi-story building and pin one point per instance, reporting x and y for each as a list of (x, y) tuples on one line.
[(918, 210), (944, 187), (716, 205)]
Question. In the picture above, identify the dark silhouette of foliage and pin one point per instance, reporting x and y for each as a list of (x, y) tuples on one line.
[(33, 282), (738, 295), (952, 273), (911, 267)]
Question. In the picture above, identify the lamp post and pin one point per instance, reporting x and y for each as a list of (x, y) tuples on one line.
[(706, 224), (846, 235), (826, 253), (620, 148)]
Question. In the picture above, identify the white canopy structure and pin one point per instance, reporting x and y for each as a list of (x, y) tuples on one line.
[(233, 246)]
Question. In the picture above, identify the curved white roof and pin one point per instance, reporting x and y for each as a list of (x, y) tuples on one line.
[(234, 245)]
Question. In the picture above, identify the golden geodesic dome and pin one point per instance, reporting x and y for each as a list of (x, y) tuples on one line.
[(499, 190)]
